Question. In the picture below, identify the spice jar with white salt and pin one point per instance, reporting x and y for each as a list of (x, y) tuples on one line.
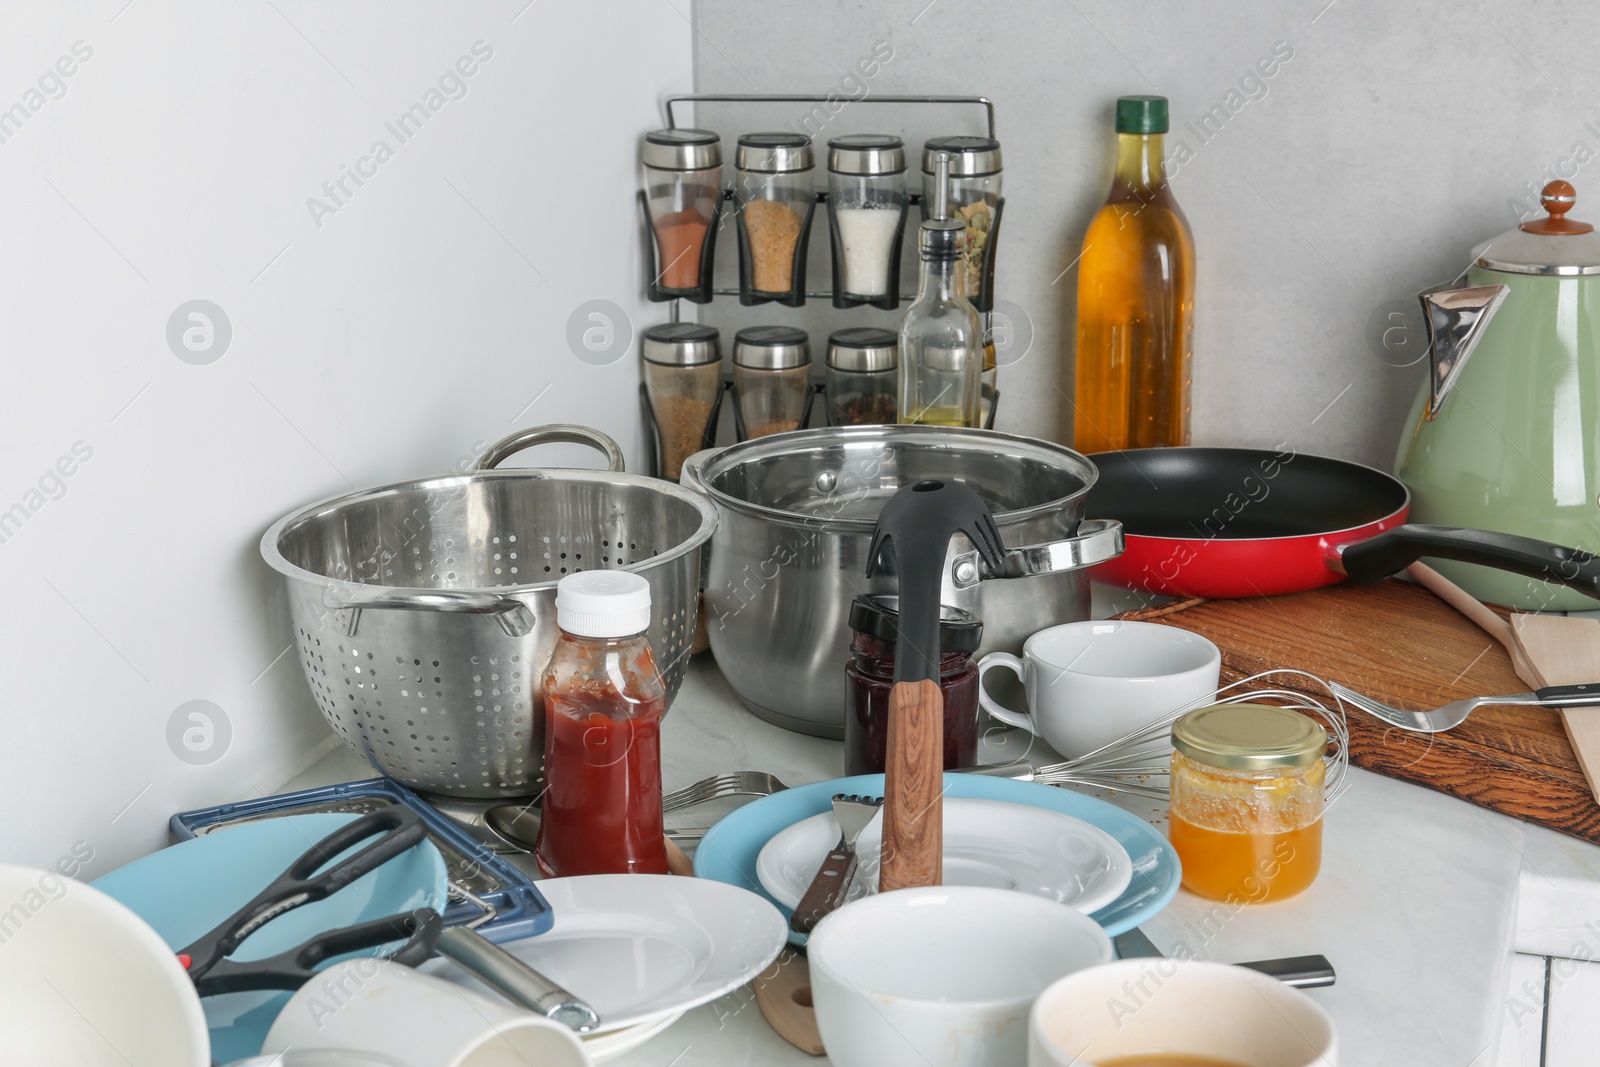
[(867, 208), (774, 187)]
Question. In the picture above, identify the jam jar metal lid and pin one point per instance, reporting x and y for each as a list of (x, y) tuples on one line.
[(878, 616), (682, 149), (1249, 737)]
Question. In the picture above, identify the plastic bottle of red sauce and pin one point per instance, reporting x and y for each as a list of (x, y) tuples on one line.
[(603, 700)]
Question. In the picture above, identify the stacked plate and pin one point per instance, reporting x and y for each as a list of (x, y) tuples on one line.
[(1038, 839), (643, 949)]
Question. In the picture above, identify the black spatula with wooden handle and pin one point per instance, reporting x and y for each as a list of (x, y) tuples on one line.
[(912, 538)]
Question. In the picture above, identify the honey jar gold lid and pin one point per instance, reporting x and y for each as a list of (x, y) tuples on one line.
[(1249, 737)]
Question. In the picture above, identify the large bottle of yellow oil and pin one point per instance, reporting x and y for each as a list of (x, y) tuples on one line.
[(1135, 299)]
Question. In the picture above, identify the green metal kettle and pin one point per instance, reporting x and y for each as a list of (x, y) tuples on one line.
[(1505, 433)]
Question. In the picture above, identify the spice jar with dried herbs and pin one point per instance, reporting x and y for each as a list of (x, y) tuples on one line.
[(974, 192), (683, 178), (771, 378), (862, 375), (773, 183), (867, 202), (682, 378)]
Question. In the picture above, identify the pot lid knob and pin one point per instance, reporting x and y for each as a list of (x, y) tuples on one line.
[(1557, 198)]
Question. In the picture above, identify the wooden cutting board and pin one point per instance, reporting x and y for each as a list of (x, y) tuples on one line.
[(1402, 645)]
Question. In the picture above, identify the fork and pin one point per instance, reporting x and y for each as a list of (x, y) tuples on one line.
[(732, 784), (1448, 716), (832, 881)]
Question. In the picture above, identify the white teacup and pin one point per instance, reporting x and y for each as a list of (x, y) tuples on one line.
[(1178, 1007), (1090, 683)]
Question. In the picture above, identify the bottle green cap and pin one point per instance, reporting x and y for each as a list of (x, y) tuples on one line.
[(1142, 114)]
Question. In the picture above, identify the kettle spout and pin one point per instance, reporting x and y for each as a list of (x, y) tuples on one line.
[(1456, 317)]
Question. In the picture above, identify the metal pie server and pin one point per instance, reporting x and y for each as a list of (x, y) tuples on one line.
[(1302, 972), (508, 975), (832, 881)]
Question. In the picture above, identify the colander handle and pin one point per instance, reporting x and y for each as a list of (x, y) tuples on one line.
[(562, 433), (512, 614)]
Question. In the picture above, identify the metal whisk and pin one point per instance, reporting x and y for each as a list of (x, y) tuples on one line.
[(1133, 764)]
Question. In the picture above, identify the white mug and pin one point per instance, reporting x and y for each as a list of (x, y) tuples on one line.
[(1090, 683), (385, 1007), (1179, 1007)]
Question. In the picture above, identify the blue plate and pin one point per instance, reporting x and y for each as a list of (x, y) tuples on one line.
[(728, 852), (186, 890)]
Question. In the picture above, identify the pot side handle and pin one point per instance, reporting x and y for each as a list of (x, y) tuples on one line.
[(1393, 550), (561, 432), (1097, 540)]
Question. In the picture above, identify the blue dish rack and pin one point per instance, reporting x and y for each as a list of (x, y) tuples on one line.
[(520, 910)]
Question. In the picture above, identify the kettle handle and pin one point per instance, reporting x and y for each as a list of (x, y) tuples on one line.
[(1393, 550)]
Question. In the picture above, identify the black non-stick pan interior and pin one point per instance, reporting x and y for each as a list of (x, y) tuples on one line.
[(1238, 493)]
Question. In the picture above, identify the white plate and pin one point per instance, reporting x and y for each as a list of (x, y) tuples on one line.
[(641, 946), (986, 843), (608, 1046)]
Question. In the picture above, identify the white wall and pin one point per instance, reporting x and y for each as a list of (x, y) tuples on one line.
[(424, 316), (1363, 170)]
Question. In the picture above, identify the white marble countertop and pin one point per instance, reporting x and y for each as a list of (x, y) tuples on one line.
[(1422, 901)]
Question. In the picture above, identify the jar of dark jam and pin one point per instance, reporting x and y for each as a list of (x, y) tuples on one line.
[(870, 676)]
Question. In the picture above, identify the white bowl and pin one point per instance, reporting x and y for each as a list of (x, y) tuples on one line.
[(1146, 1006), (941, 976), (84, 981)]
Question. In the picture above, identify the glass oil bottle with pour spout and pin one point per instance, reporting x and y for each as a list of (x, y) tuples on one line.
[(941, 341), (1135, 299)]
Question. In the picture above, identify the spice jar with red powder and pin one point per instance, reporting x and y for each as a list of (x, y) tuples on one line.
[(683, 192), (773, 185)]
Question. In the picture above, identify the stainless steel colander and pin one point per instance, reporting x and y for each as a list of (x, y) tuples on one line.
[(424, 611)]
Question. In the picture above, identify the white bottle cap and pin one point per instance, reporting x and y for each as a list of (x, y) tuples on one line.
[(603, 604)]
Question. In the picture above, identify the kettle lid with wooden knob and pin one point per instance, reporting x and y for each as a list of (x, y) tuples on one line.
[(1553, 244)]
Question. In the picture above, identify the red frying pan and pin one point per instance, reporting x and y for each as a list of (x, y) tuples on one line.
[(1240, 522)]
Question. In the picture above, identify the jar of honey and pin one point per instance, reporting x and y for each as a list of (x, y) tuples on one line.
[(1247, 801)]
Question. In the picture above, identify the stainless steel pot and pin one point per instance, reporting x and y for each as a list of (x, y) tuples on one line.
[(795, 518), (424, 611)]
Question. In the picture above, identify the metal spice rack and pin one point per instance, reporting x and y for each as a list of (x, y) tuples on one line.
[(797, 297)]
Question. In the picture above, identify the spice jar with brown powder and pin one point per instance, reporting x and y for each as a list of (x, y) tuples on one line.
[(683, 178), (773, 185), (683, 382), (771, 379)]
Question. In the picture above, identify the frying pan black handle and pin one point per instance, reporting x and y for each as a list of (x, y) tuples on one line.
[(1394, 550)]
